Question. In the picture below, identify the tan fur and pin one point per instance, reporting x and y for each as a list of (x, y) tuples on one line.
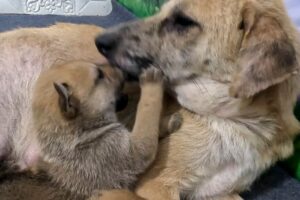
[(24, 54), (90, 149), (27, 55), (240, 82)]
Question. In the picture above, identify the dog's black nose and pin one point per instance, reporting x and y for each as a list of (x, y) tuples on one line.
[(106, 43)]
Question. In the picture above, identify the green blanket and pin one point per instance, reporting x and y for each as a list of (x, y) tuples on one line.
[(142, 8), (293, 164)]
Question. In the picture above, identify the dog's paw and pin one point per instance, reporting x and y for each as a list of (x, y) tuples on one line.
[(175, 122), (151, 75), (96, 195), (114, 195)]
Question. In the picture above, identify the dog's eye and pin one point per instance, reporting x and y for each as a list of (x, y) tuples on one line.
[(100, 74), (182, 21), (242, 25), (179, 22), (66, 85)]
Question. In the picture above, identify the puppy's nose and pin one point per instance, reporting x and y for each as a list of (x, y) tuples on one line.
[(106, 43)]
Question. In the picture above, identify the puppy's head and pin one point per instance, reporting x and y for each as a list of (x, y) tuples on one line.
[(77, 90), (244, 43)]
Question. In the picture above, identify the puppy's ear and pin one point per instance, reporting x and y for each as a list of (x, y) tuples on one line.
[(267, 56), (68, 104)]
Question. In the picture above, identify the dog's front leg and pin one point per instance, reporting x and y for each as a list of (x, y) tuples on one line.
[(170, 124), (145, 133), (115, 195)]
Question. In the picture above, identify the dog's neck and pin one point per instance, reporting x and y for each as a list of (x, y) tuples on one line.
[(205, 96)]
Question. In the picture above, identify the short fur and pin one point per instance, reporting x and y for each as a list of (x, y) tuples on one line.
[(28, 186), (90, 149), (28, 53), (24, 53), (232, 66)]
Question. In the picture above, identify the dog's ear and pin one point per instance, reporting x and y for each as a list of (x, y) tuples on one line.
[(267, 56), (68, 104)]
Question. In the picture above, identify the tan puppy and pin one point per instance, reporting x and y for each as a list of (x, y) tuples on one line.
[(84, 146), (24, 53), (232, 66)]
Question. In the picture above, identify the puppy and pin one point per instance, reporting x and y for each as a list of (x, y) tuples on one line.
[(84, 146), (24, 53), (232, 66)]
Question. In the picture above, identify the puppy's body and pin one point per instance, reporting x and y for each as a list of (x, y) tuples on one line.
[(232, 66), (84, 146), (24, 54)]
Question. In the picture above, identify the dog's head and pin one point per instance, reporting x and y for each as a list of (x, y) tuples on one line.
[(244, 43), (77, 90)]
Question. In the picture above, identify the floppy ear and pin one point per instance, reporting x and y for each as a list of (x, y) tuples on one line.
[(267, 56), (68, 104)]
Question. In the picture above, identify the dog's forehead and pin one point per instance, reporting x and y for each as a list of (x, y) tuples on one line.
[(205, 9), (77, 74)]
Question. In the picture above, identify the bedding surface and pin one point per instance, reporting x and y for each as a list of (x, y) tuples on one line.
[(276, 184)]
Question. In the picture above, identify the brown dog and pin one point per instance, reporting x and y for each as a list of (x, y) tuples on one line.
[(232, 65)]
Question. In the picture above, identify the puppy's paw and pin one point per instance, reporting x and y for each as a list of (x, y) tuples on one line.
[(114, 195), (96, 195), (151, 75), (175, 122)]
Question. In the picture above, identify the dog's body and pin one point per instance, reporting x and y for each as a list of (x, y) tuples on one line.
[(232, 66), (84, 146), (24, 54)]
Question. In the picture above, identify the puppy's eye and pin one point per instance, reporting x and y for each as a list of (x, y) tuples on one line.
[(242, 25), (100, 74), (66, 85)]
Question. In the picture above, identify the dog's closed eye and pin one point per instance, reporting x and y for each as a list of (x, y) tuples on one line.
[(179, 22), (241, 25), (100, 74)]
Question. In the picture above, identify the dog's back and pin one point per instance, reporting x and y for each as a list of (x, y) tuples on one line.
[(24, 54)]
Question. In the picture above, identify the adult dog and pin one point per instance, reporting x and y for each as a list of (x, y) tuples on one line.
[(232, 66)]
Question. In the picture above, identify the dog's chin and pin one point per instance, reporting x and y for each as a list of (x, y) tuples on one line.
[(121, 102), (133, 67)]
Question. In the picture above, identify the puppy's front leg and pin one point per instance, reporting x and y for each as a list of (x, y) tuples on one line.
[(170, 124), (144, 136), (115, 195)]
